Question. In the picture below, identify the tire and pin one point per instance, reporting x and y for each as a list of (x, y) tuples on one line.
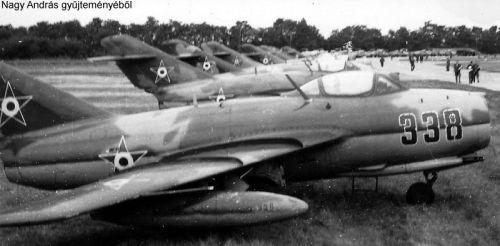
[(420, 193)]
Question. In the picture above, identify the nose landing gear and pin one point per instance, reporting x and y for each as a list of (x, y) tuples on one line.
[(421, 192)]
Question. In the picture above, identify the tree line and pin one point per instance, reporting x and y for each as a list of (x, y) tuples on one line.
[(71, 39)]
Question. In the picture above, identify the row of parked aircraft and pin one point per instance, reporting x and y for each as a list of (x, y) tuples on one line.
[(175, 75), (202, 163)]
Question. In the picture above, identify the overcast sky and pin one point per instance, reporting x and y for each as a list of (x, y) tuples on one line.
[(326, 15)]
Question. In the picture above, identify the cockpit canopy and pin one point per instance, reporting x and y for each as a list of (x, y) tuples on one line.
[(351, 83)]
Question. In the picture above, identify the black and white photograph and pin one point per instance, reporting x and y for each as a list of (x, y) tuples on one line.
[(249, 122)]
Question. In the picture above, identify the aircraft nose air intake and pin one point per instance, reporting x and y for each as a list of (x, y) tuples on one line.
[(480, 111)]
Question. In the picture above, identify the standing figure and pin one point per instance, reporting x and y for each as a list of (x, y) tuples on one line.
[(471, 72), (412, 63), (476, 69), (457, 67), (447, 64), (382, 60)]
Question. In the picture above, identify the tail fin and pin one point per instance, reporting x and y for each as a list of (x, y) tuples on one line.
[(28, 104), (261, 55), (275, 51), (229, 55), (291, 51), (145, 66), (198, 58)]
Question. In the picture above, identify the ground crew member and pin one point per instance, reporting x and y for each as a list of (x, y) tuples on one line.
[(457, 67), (471, 73), (382, 60), (412, 63), (476, 69), (447, 64)]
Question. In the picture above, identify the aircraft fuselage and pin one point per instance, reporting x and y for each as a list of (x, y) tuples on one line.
[(388, 129)]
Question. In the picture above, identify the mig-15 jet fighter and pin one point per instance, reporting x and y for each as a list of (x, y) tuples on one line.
[(193, 165), (247, 65)]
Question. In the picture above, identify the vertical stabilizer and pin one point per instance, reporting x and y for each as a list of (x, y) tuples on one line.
[(28, 104), (148, 67)]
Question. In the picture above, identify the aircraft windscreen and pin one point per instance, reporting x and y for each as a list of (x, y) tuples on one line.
[(384, 86), (348, 83)]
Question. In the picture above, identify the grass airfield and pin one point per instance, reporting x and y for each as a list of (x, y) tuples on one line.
[(466, 210)]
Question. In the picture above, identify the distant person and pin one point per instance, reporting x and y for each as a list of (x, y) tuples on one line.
[(382, 60), (412, 63), (471, 72), (457, 67), (447, 64), (475, 69)]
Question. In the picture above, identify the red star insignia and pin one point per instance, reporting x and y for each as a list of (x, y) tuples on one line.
[(162, 72), (11, 106), (121, 157)]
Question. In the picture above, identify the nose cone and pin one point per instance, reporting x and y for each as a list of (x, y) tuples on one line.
[(475, 117), (473, 106), (481, 119)]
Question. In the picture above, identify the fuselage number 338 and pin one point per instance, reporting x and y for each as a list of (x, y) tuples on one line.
[(430, 121)]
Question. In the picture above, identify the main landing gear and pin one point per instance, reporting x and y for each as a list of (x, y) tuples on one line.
[(421, 192)]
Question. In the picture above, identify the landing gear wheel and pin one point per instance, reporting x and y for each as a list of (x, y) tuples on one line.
[(419, 193)]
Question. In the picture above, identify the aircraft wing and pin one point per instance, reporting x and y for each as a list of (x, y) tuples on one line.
[(260, 147), (112, 190), (173, 170)]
